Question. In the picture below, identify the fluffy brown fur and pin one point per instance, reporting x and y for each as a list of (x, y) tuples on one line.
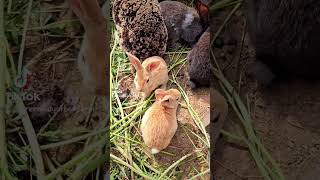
[(141, 27), (183, 23), (200, 72), (286, 37)]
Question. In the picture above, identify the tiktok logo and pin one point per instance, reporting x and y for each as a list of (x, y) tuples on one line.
[(22, 81)]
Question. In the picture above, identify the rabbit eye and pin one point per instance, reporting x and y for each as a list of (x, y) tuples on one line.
[(167, 100), (147, 81), (178, 98)]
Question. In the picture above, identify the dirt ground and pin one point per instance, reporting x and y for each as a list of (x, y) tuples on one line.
[(286, 116)]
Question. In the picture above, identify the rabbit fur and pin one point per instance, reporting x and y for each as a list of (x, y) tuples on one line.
[(159, 123), (150, 74), (202, 7), (200, 67), (93, 56), (183, 23), (141, 27), (285, 34)]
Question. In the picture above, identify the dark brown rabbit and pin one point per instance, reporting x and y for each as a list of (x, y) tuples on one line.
[(141, 27), (200, 72), (286, 36), (183, 24), (93, 55)]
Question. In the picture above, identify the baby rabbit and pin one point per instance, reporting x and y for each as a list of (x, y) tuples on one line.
[(200, 72), (152, 73), (286, 37), (93, 56), (183, 23), (159, 123), (141, 27)]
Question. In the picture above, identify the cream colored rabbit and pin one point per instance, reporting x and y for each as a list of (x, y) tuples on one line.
[(159, 123), (151, 74), (93, 56)]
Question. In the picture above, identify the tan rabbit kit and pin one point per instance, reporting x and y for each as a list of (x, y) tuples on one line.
[(159, 123), (141, 27), (93, 57), (151, 74)]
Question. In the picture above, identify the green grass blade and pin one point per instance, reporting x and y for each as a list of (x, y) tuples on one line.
[(32, 137), (23, 41), (174, 165), (139, 172), (3, 144), (78, 159), (72, 140)]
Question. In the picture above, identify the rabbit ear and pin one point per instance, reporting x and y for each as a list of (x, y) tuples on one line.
[(134, 61), (76, 7), (167, 101), (160, 93), (86, 10), (153, 65), (203, 10)]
